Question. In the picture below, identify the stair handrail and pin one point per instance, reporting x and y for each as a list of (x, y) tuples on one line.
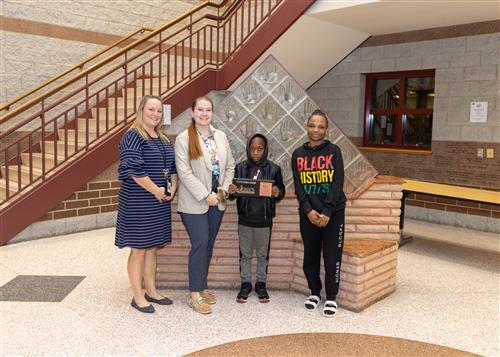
[(80, 65), (49, 128), (98, 65)]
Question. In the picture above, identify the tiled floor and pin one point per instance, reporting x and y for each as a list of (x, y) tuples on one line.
[(447, 294)]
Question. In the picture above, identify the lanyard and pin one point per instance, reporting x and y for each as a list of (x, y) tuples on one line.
[(163, 152)]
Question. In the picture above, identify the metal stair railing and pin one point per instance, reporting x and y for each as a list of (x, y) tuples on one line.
[(66, 121)]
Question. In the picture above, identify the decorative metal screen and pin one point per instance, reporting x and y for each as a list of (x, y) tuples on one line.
[(272, 103)]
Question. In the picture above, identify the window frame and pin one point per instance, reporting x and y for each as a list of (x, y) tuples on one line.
[(400, 111)]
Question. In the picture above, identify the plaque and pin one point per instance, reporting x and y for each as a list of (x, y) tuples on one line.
[(253, 188)]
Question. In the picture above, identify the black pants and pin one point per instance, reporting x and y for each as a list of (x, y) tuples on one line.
[(331, 239)]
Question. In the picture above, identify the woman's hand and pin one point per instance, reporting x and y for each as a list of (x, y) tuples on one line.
[(172, 194), (314, 217), (212, 200), (159, 193)]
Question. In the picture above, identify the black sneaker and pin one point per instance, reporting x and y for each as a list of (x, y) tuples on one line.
[(260, 289), (245, 290)]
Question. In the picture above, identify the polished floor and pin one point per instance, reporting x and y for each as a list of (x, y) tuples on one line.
[(447, 294)]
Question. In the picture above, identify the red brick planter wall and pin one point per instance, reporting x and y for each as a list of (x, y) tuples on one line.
[(372, 215)]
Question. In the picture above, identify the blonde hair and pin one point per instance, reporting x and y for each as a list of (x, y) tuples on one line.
[(137, 124), (194, 147)]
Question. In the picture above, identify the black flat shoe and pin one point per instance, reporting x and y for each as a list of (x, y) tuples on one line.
[(164, 301), (146, 309)]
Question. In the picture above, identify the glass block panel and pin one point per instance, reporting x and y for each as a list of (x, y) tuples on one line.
[(269, 112), (248, 127), (281, 117), (289, 93), (385, 93), (269, 73), (359, 171), (218, 124), (286, 169), (382, 129), (348, 186), (275, 148), (287, 132), (349, 151), (417, 130), (231, 112), (419, 93), (237, 147), (304, 110), (250, 93), (334, 133)]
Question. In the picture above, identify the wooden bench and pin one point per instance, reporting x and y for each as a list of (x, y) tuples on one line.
[(449, 191), (464, 193)]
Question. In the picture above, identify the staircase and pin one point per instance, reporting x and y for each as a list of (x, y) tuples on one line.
[(67, 135)]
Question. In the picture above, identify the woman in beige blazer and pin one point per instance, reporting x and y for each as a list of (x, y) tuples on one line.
[(205, 168)]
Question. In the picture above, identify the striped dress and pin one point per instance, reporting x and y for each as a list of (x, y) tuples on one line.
[(142, 221)]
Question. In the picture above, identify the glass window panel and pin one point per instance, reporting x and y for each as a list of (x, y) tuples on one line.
[(420, 93), (385, 93), (383, 129), (417, 130)]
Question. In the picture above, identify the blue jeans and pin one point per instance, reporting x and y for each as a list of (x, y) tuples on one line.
[(202, 230)]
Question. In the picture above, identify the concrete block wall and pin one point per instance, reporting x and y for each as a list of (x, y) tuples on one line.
[(467, 69), (71, 35)]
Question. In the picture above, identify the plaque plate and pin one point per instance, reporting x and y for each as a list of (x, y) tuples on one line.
[(253, 188)]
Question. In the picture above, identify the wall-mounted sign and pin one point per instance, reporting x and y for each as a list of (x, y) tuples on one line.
[(167, 114), (478, 112)]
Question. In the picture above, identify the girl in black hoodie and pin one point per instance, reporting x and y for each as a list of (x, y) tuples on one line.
[(318, 175)]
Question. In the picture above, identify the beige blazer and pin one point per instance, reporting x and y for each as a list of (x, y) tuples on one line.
[(195, 176)]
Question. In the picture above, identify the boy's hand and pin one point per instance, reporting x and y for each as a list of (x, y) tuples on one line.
[(232, 189), (275, 192)]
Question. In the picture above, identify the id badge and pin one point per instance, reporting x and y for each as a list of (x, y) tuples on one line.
[(168, 183), (168, 186), (215, 170)]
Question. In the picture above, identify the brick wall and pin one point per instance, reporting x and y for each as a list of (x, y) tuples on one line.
[(453, 205), (93, 198), (372, 215)]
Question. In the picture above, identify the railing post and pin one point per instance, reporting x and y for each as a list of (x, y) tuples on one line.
[(190, 45), (42, 139), (125, 103)]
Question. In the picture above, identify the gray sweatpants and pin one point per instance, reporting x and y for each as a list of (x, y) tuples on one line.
[(250, 238)]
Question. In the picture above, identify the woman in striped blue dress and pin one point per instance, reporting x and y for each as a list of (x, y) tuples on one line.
[(148, 178)]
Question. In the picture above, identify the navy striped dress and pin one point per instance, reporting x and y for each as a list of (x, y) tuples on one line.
[(142, 221)]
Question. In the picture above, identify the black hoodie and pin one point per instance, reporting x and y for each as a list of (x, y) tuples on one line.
[(258, 211), (318, 176)]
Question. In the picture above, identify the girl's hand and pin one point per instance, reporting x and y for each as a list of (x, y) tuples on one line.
[(314, 217), (323, 220)]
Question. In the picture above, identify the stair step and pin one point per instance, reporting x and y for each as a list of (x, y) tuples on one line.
[(92, 123), (120, 102), (25, 173), (13, 186), (118, 113), (81, 135), (37, 160), (50, 148)]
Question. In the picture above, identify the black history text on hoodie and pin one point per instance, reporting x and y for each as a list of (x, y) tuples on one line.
[(318, 175)]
